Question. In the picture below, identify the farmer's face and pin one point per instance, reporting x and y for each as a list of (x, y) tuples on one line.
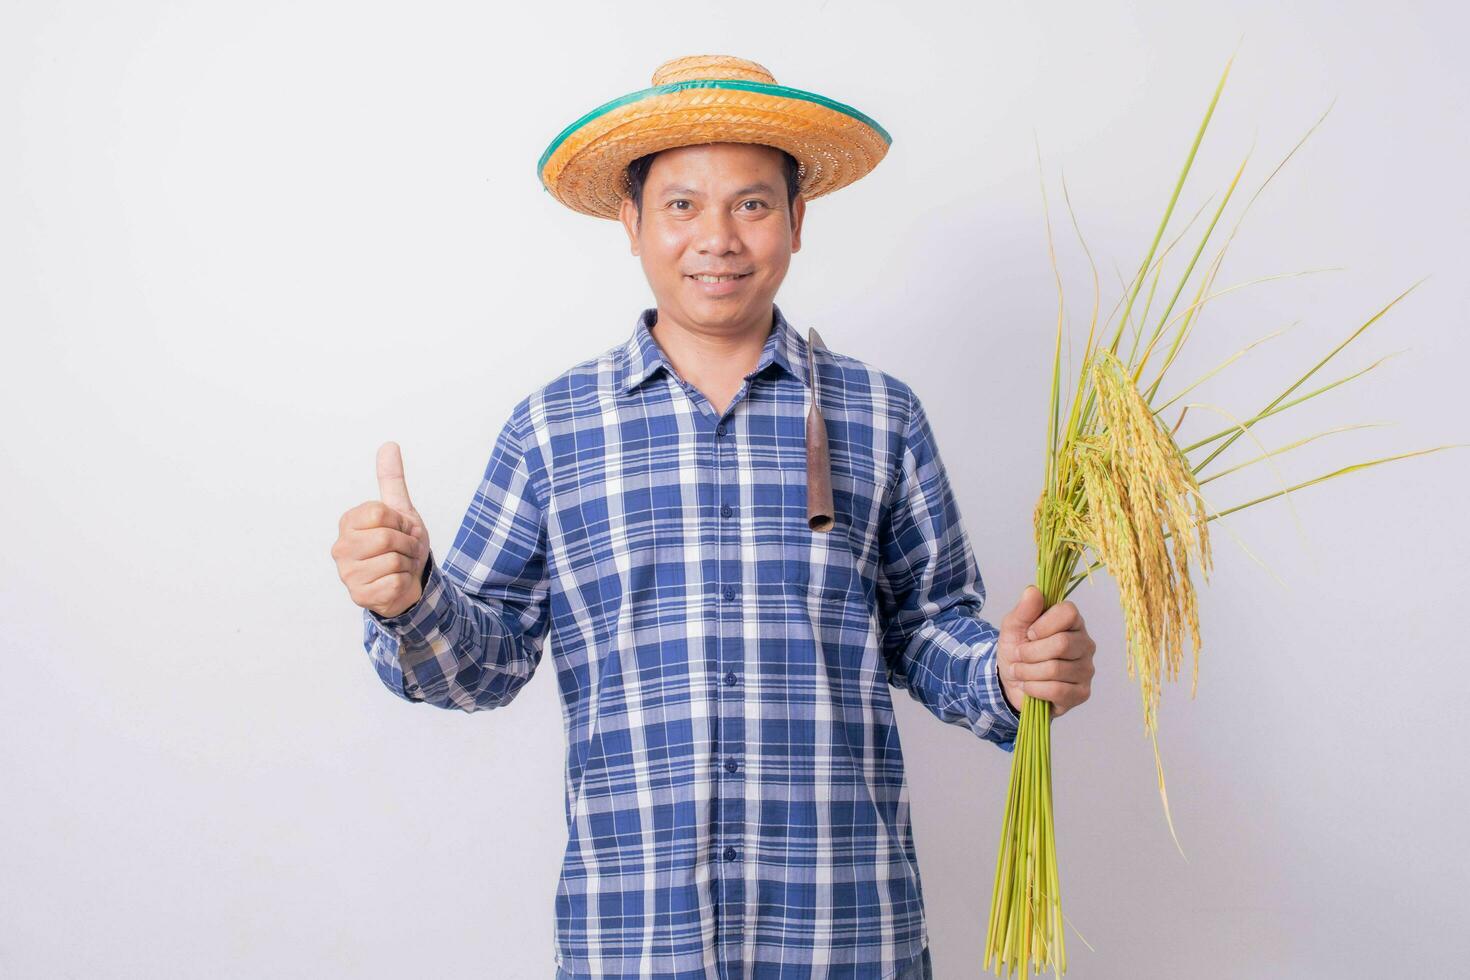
[(717, 208)]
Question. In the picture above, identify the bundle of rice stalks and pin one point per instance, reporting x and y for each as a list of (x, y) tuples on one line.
[(1119, 487)]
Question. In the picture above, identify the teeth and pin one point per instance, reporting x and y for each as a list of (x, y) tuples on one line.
[(714, 278)]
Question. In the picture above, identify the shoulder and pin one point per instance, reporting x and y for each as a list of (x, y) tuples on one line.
[(856, 388), (580, 391)]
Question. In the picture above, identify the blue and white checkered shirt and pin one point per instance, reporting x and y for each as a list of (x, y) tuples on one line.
[(736, 803)]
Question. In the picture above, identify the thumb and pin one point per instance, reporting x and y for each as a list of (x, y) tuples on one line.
[(1027, 611), (392, 490)]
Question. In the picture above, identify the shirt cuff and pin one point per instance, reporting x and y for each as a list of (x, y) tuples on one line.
[(1005, 722)]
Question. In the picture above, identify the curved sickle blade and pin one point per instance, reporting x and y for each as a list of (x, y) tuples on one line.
[(819, 510)]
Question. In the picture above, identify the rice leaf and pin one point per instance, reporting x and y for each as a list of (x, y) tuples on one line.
[(1281, 407), (1222, 366), (1290, 446), (1318, 366)]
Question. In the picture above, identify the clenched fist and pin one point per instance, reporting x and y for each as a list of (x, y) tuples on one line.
[(1047, 655), (382, 545)]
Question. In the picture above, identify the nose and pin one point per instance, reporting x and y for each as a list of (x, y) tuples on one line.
[(718, 233)]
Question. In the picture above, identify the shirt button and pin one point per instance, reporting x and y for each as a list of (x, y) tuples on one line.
[(720, 429), (729, 854), (729, 592), (725, 511), (730, 677), (731, 765)]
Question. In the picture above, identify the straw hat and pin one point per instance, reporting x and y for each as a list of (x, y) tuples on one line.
[(708, 99)]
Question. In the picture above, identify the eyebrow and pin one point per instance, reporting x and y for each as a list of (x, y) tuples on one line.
[(760, 187)]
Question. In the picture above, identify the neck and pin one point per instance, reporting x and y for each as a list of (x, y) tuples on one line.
[(713, 358)]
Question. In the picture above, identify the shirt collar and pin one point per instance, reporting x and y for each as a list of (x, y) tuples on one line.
[(642, 356)]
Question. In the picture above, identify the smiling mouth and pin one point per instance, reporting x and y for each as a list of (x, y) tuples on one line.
[(719, 278)]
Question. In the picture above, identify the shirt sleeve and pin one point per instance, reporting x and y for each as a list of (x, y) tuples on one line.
[(935, 643), (475, 636)]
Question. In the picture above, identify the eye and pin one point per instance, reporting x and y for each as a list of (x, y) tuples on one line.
[(678, 201), (752, 201)]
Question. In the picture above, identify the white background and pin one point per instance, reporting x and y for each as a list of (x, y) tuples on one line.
[(244, 244)]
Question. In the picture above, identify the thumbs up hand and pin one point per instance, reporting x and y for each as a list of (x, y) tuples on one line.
[(382, 545), (1046, 654)]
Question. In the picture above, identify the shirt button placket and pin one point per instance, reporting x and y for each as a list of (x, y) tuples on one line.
[(731, 706)]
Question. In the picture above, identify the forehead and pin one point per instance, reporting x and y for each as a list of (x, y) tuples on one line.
[(715, 163)]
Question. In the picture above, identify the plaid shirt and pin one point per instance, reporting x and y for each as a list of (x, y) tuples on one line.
[(736, 802)]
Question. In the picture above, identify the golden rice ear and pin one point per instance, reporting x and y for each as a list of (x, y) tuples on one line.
[(1140, 494)]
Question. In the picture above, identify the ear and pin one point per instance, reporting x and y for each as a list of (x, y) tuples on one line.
[(798, 212), (628, 215)]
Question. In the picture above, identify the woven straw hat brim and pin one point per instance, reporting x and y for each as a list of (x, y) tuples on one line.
[(584, 167)]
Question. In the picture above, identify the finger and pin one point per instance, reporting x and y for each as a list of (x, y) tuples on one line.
[(1057, 692), (375, 513), (1013, 626), (374, 541), (1063, 616), (1066, 671), (1057, 710), (1065, 645), (390, 589), (377, 570), (392, 488)]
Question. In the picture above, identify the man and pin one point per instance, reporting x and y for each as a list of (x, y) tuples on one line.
[(736, 802)]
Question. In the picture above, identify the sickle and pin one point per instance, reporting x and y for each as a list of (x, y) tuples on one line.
[(819, 510)]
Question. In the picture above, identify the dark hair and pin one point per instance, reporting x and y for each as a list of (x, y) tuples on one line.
[(638, 173)]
